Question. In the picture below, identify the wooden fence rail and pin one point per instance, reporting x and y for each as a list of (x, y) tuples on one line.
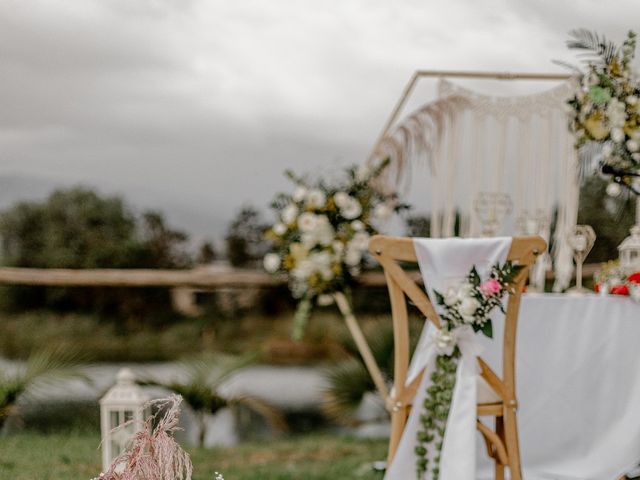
[(183, 283), (196, 279), (200, 278)]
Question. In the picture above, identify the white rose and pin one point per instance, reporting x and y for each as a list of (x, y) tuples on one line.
[(352, 257), (279, 228), (324, 231), (309, 240), (327, 274), (464, 291), (613, 189), (468, 306), (351, 210), (445, 341), (636, 156), (357, 225), (299, 194), (320, 260), (316, 199), (468, 319), (337, 246), (382, 211), (307, 222), (617, 135), (451, 296), (631, 99), (289, 214), (633, 146), (341, 199), (271, 262), (360, 240)]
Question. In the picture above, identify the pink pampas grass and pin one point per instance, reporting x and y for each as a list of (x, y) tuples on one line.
[(153, 454)]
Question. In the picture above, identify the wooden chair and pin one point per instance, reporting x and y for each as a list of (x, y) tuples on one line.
[(501, 402)]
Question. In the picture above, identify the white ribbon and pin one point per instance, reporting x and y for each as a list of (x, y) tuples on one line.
[(457, 458)]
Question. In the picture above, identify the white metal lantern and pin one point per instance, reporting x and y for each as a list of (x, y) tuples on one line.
[(124, 403), (630, 251)]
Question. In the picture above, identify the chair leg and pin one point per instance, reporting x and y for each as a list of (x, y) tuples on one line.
[(498, 465), (511, 441), (398, 420)]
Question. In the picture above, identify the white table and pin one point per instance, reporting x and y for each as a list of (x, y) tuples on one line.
[(578, 384)]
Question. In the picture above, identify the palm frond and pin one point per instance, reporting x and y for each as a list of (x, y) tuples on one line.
[(271, 414), (53, 365), (594, 46), (43, 369), (568, 66), (347, 383)]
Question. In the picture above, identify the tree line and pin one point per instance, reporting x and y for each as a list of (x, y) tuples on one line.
[(79, 228)]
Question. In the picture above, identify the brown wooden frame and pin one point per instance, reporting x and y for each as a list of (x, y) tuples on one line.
[(502, 443)]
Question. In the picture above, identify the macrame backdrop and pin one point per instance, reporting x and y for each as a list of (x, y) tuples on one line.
[(475, 143)]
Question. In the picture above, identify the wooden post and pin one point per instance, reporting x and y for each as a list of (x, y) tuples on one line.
[(361, 343)]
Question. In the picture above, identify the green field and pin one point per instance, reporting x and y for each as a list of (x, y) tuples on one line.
[(75, 456)]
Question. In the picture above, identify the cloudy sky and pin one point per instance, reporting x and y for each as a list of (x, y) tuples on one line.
[(197, 106)]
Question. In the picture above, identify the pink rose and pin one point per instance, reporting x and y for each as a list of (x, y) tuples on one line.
[(490, 287)]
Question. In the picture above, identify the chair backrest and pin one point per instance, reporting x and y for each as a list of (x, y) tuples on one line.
[(391, 250)]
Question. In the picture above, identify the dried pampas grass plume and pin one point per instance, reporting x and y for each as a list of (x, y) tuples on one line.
[(416, 136), (153, 454)]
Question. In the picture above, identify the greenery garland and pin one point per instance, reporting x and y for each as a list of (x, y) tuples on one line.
[(469, 303)]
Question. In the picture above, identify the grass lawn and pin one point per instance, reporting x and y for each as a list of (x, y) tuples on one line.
[(75, 456)]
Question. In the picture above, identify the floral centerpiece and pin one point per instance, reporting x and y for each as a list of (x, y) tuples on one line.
[(613, 279), (466, 308), (322, 233), (605, 108)]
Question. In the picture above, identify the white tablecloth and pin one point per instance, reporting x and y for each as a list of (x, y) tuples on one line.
[(578, 384)]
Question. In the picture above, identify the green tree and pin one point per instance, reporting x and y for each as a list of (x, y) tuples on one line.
[(206, 254), (418, 226), (77, 228), (610, 217), (245, 240)]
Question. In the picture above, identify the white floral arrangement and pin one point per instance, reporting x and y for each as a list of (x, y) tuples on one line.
[(467, 308), (605, 108), (322, 234)]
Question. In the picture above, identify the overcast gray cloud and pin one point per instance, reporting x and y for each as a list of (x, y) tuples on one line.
[(198, 106)]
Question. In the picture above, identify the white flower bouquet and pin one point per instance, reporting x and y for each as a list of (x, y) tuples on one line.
[(322, 233), (605, 108)]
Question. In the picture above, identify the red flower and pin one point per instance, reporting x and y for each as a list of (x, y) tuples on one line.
[(620, 290), (634, 277), (596, 288)]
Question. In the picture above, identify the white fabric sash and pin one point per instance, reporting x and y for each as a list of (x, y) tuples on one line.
[(444, 263)]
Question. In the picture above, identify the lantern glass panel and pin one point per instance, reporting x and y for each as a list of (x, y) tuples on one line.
[(114, 419)]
